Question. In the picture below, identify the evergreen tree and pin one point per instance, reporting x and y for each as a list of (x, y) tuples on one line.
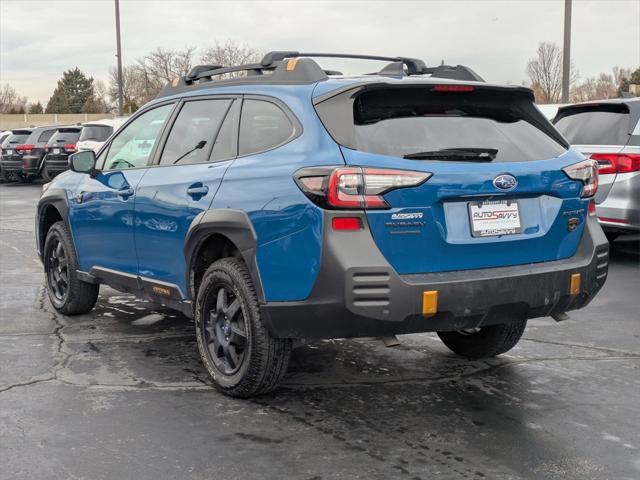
[(36, 108), (72, 92)]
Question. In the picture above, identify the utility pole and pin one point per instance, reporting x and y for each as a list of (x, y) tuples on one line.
[(566, 52), (119, 55)]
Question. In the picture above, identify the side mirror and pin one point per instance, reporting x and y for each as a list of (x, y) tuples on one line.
[(83, 162)]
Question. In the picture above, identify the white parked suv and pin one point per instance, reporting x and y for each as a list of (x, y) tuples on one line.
[(96, 132)]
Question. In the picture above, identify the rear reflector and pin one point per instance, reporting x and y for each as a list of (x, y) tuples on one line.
[(453, 88), (429, 302), (574, 287), (592, 208), (346, 223), (614, 220), (609, 163)]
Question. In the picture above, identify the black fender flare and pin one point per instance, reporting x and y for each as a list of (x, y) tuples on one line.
[(234, 225), (53, 197)]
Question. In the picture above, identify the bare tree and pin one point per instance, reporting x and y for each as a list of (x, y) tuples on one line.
[(601, 87), (230, 54), (11, 101), (545, 72)]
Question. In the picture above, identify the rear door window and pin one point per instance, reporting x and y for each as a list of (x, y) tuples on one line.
[(95, 133), (420, 124), (45, 136), (194, 131), (63, 137), (594, 125), (263, 126)]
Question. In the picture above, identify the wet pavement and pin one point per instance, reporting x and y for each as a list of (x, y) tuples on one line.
[(120, 393)]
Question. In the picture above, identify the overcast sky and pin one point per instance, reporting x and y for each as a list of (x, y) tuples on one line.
[(41, 39)]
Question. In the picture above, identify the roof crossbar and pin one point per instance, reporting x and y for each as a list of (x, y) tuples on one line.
[(208, 71), (414, 66)]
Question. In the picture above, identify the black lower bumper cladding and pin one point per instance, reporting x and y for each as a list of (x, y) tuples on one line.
[(357, 293)]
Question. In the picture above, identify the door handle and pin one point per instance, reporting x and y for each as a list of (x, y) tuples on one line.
[(197, 190), (125, 192)]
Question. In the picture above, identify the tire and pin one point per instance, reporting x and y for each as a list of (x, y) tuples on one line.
[(67, 293), (486, 341), (239, 353), (611, 236)]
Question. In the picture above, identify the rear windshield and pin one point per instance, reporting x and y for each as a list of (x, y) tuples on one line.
[(41, 136), (18, 137), (408, 121), (96, 133), (594, 125), (65, 136)]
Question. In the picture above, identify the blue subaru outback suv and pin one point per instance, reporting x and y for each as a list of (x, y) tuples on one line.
[(296, 202)]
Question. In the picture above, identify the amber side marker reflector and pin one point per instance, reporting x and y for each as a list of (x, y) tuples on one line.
[(291, 64), (429, 302), (175, 82), (574, 288)]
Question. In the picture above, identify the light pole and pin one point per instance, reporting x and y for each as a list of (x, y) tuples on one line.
[(119, 55), (566, 52)]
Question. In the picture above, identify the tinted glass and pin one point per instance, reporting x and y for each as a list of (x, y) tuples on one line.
[(64, 136), (225, 145), (133, 145), (17, 138), (95, 133), (263, 125), (411, 121), (45, 136), (192, 135), (594, 126)]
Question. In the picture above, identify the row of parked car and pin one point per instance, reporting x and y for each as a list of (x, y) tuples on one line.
[(30, 153)]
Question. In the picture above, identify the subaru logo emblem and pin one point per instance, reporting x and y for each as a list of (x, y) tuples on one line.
[(505, 182)]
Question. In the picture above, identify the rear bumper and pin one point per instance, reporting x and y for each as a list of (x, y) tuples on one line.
[(31, 165), (57, 165), (357, 293), (620, 210), (14, 166)]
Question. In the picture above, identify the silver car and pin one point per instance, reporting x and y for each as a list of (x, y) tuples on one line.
[(609, 131)]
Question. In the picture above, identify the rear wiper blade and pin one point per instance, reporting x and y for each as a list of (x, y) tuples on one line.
[(471, 154)]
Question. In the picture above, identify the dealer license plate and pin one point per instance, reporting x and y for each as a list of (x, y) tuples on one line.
[(501, 217)]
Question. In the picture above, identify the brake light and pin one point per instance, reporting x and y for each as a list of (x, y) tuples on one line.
[(46, 147), (70, 147), (453, 88), (354, 187), (587, 172), (346, 223), (25, 148), (609, 163)]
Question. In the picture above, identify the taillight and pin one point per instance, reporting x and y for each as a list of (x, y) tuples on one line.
[(25, 148), (355, 187), (70, 147), (592, 208), (609, 163), (46, 147), (587, 172)]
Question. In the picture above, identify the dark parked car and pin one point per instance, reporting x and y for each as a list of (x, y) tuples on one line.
[(60, 146), (22, 161), (11, 159)]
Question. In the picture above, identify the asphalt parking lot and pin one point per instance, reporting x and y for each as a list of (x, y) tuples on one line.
[(120, 393)]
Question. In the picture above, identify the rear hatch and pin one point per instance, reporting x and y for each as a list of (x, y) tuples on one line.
[(600, 131), (60, 146), (497, 194), (13, 148)]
